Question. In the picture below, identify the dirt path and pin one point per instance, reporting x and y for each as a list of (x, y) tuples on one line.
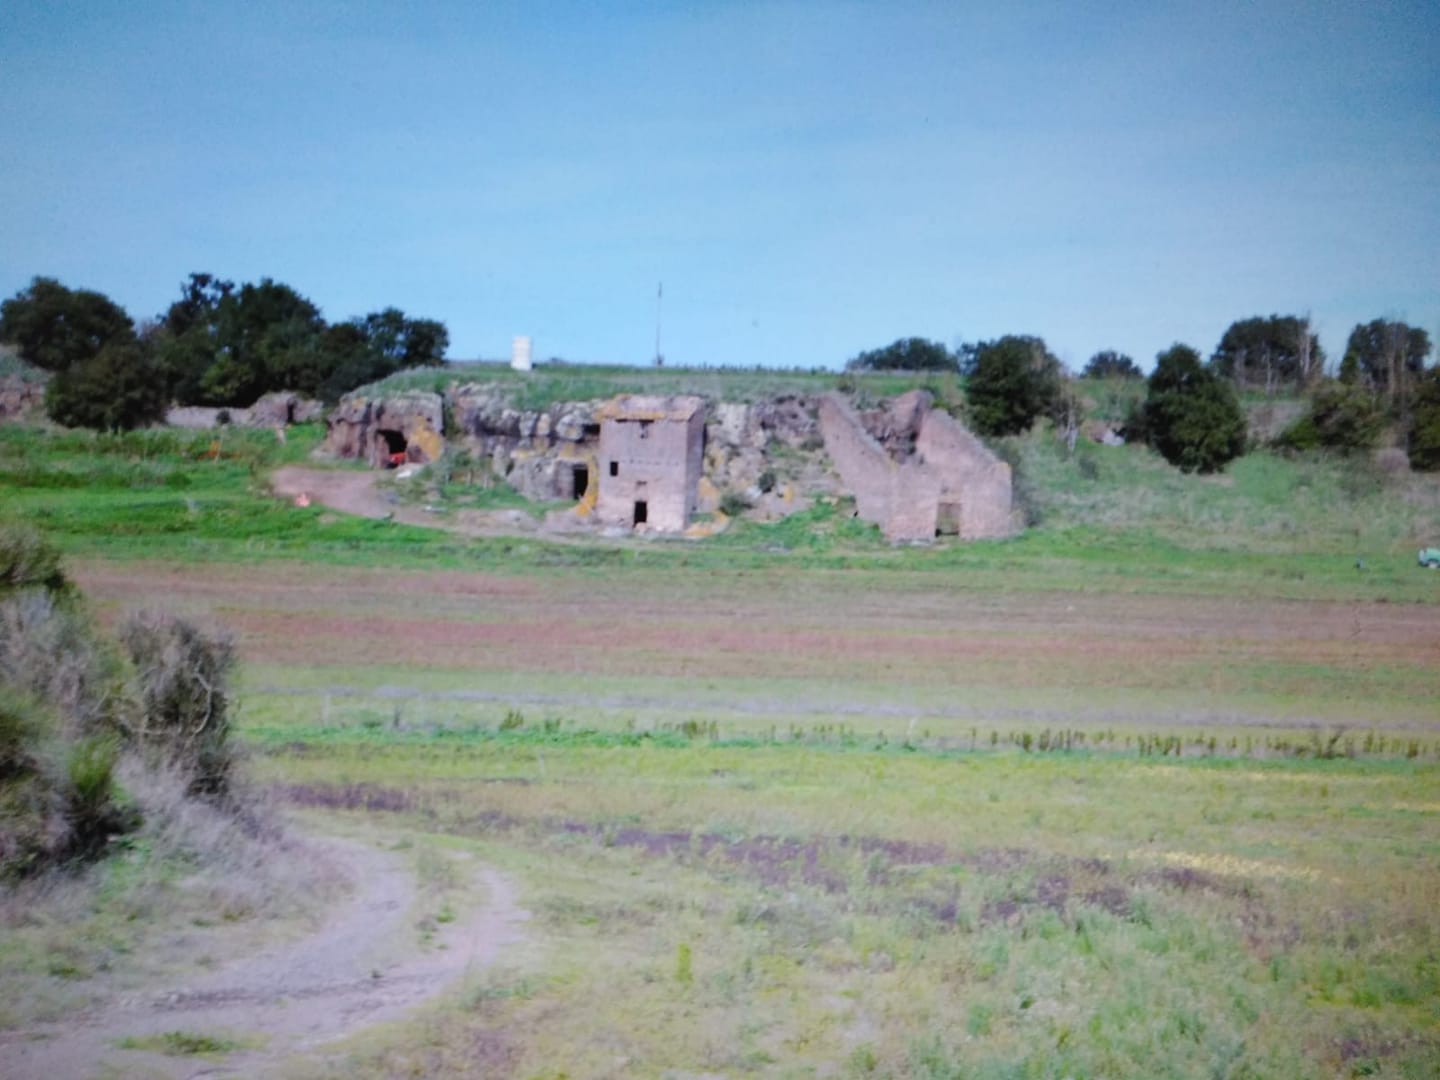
[(362, 967), (350, 492), (358, 493)]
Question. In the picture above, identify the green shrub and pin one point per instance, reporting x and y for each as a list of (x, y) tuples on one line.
[(1341, 417), (21, 726), (90, 808), (1012, 383), (1191, 414), (1423, 444), (733, 504), (28, 559), (120, 388)]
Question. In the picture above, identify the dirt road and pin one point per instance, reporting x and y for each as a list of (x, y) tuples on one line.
[(362, 967)]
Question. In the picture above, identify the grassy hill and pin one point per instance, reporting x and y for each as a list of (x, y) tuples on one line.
[(550, 383), (1111, 517)]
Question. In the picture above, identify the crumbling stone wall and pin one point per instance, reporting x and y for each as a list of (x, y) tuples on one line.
[(975, 486), (275, 410), (952, 483), (903, 499)]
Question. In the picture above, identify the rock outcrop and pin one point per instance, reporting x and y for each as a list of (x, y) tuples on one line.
[(404, 427), (20, 398)]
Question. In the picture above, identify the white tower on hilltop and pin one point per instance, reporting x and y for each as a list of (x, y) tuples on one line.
[(521, 353)]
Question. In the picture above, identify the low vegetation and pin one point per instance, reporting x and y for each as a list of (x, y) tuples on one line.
[(1147, 791)]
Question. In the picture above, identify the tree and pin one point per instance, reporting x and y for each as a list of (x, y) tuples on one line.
[(1191, 414), (905, 354), (1385, 357), (120, 388), (1341, 417), (56, 328), (1012, 382), (1109, 364), (262, 339), (382, 343), (225, 346), (188, 337), (1423, 441), (1268, 353)]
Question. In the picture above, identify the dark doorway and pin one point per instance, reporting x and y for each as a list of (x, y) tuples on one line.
[(392, 449), (642, 513), (579, 481), (947, 519)]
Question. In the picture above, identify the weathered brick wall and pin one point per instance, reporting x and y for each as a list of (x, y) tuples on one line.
[(864, 468), (656, 462), (902, 499), (914, 503), (951, 468), (970, 475)]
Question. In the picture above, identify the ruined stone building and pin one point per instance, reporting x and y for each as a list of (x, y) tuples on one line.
[(651, 453), (916, 472), (388, 431), (653, 463)]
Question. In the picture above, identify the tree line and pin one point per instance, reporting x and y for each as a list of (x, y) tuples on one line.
[(217, 345), (1191, 413)]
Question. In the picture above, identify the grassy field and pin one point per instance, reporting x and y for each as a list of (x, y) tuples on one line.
[(1149, 791)]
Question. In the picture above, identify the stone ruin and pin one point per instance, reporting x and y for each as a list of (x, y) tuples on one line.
[(655, 462), (20, 398), (651, 452), (275, 410), (397, 429), (917, 472)]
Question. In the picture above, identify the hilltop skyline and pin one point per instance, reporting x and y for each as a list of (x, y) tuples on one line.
[(808, 180)]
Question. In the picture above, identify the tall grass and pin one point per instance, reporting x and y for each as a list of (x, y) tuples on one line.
[(1262, 504)]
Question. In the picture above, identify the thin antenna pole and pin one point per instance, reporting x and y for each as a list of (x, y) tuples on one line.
[(659, 300)]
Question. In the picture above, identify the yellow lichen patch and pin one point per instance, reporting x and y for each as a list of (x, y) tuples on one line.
[(699, 530), (707, 496), (430, 442), (1228, 865), (586, 506)]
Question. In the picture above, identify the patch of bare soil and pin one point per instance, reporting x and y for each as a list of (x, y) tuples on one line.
[(362, 967), (343, 490), (353, 492)]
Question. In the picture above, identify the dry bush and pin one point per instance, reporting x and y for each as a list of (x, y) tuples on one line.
[(48, 653), (58, 720), (182, 675)]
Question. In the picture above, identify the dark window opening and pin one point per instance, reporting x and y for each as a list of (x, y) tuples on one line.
[(393, 452), (591, 431), (644, 429), (579, 481), (642, 513), (614, 468)]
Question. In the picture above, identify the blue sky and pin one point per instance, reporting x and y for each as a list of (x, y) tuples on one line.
[(807, 179)]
